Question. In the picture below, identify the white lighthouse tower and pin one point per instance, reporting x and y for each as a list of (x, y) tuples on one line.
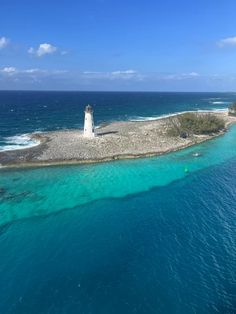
[(88, 122)]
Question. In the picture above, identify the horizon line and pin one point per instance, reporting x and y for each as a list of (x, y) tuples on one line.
[(110, 91)]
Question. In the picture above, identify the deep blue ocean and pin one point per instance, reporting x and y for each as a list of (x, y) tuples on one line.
[(124, 237)]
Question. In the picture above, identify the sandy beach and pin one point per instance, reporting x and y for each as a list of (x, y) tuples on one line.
[(117, 140)]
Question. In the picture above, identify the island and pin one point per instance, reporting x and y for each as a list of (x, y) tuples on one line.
[(118, 140)]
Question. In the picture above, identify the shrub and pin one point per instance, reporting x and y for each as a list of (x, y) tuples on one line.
[(232, 109), (189, 123)]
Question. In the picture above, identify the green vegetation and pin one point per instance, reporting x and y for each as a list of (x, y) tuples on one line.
[(188, 124), (232, 109)]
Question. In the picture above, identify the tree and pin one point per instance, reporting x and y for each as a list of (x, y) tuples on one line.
[(232, 109), (188, 124)]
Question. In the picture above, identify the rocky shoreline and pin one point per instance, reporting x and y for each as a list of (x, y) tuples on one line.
[(117, 140)]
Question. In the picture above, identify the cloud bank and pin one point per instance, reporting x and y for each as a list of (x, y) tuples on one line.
[(23, 73), (12, 77), (114, 75)]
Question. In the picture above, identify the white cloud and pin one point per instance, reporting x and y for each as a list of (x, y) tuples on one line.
[(182, 76), (9, 70), (3, 42), (230, 41), (93, 73), (34, 72), (42, 72), (114, 75), (193, 74), (125, 75), (127, 72), (133, 75), (43, 49), (31, 71)]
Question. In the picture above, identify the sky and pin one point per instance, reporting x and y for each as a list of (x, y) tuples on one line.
[(118, 45)]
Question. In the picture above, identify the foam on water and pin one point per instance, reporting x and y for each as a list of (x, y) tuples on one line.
[(159, 117), (220, 102), (18, 142)]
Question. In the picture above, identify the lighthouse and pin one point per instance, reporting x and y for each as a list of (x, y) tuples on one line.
[(88, 122)]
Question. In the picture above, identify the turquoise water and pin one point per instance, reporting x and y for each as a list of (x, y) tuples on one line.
[(41, 191), (140, 236), (137, 236)]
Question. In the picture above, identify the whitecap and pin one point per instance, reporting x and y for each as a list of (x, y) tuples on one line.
[(18, 142), (220, 102), (154, 118)]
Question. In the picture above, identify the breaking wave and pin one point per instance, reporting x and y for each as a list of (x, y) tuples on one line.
[(153, 118), (18, 142), (220, 102)]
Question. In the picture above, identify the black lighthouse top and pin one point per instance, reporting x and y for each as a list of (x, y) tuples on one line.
[(88, 108)]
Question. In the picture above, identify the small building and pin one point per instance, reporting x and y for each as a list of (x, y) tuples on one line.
[(88, 122)]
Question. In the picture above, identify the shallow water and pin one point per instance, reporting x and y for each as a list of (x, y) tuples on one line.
[(41, 191), (161, 247)]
